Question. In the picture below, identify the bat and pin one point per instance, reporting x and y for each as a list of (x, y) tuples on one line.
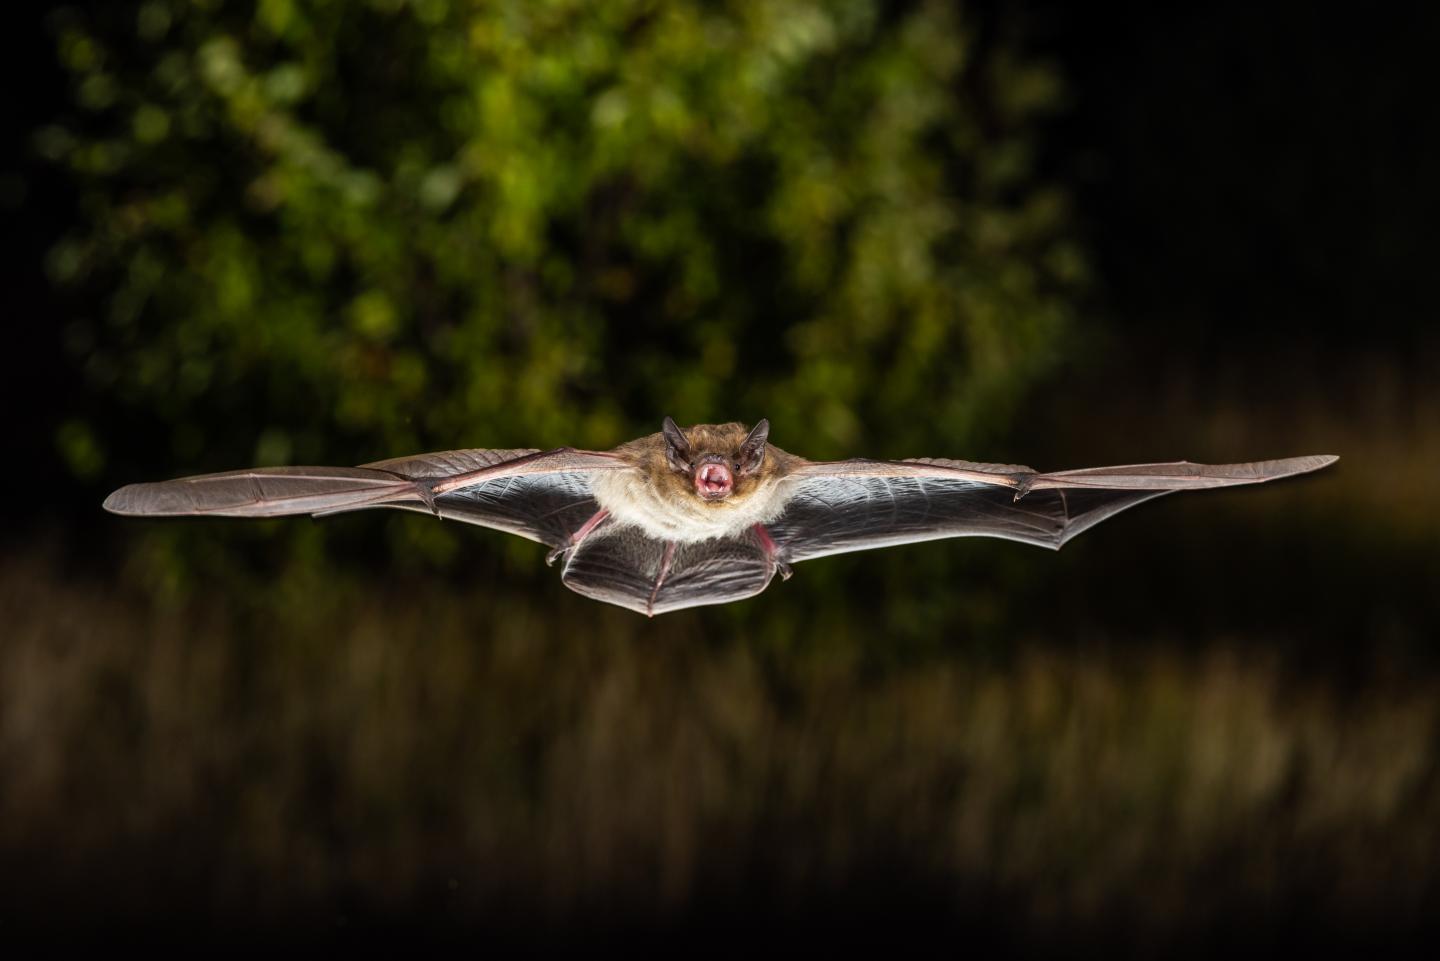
[(706, 515)]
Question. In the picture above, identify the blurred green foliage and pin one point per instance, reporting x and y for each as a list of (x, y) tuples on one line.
[(326, 232)]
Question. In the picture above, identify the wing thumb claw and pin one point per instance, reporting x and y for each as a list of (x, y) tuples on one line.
[(426, 491)]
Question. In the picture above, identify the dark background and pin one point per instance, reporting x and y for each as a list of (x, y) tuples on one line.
[(1214, 720)]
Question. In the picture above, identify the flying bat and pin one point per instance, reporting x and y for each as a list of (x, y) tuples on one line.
[(706, 515)]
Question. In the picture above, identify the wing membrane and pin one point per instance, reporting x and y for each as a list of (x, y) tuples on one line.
[(548, 508), (624, 566), (264, 492), (542, 495), (857, 505)]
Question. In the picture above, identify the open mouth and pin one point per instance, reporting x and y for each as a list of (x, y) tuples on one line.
[(713, 480)]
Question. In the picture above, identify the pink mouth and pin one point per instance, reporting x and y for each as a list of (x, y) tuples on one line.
[(713, 480)]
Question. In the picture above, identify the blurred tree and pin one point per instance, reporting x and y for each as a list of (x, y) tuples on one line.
[(323, 232)]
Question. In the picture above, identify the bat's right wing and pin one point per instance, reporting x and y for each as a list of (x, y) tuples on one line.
[(840, 506), (541, 495)]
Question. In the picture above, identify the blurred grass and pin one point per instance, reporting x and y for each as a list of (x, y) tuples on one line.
[(408, 748)]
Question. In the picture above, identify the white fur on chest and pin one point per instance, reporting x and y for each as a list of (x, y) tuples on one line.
[(631, 500)]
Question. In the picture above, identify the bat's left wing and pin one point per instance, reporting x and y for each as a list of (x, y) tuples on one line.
[(839, 506)]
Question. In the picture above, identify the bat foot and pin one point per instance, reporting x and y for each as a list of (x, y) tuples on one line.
[(598, 518), (767, 544)]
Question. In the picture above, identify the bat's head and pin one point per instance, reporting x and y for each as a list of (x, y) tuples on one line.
[(718, 462)]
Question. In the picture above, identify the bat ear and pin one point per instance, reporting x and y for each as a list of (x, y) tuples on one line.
[(677, 448), (752, 452)]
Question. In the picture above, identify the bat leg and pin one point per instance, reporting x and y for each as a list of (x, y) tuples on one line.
[(772, 552), (598, 518)]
